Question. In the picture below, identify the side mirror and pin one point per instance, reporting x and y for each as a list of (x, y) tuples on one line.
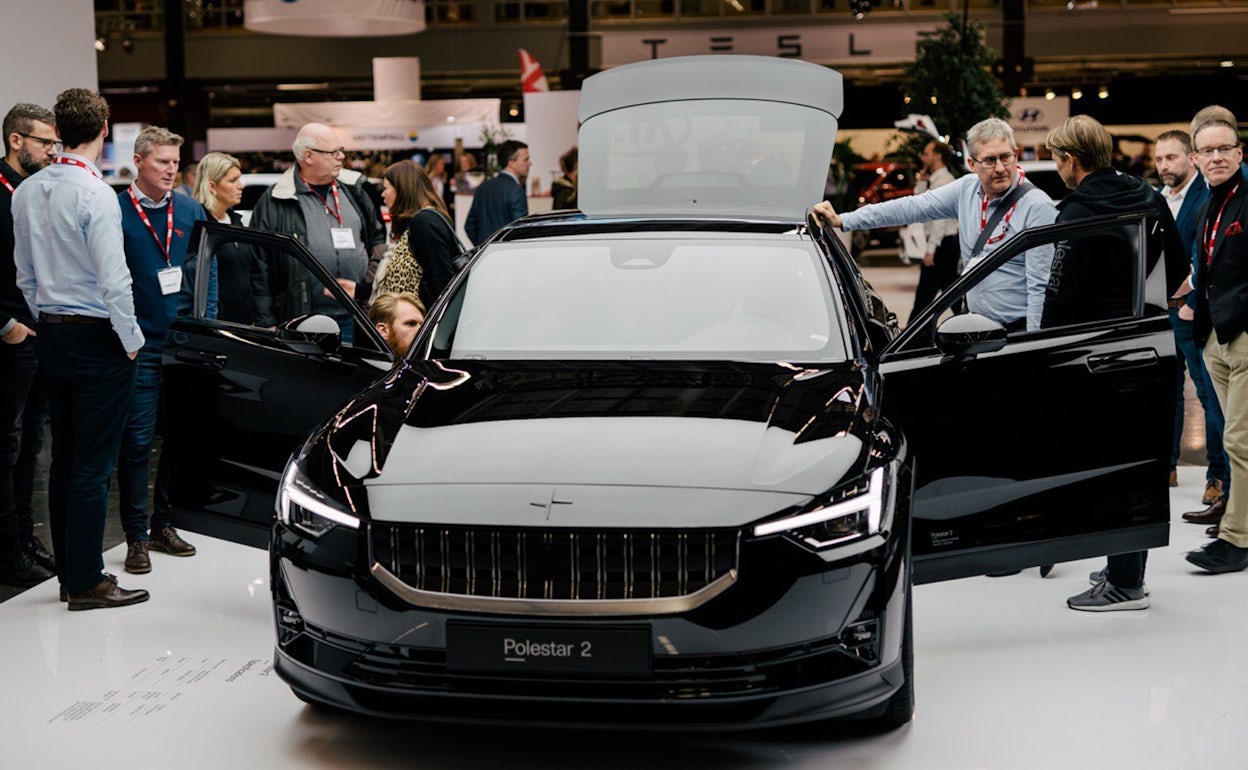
[(970, 334), (311, 334)]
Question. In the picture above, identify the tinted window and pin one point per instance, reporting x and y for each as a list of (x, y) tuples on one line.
[(646, 298)]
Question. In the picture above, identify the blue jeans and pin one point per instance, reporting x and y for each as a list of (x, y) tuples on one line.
[(90, 381), (1214, 422), (136, 450)]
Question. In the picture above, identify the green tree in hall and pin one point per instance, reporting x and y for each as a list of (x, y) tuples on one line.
[(951, 79)]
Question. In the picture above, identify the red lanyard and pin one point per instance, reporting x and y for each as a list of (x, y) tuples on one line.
[(1217, 223), (75, 162), (1005, 223), (164, 247), (6, 184), (335, 212)]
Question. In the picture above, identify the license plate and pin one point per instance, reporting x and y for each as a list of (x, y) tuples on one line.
[(548, 649)]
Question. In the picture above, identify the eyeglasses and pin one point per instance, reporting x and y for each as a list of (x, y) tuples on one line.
[(1005, 159), (48, 144), (340, 151), (1209, 152)]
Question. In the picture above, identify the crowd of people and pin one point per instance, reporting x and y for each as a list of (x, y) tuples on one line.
[(1200, 211), (91, 278)]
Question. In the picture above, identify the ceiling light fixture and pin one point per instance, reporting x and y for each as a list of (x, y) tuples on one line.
[(101, 43), (1103, 93), (1049, 95), (1076, 93)]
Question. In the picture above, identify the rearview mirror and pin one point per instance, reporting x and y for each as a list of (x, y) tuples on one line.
[(970, 334), (311, 334)]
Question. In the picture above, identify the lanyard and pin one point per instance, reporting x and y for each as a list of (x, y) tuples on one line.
[(75, 162), (335, 212), (1217, 223), (1005, 223), (6, 184), (164, 247)]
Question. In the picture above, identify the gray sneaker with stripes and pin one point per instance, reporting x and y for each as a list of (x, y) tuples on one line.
[(1106, 597)]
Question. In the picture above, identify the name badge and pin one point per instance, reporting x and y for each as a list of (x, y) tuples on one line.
[(344, 238), (170, 280)]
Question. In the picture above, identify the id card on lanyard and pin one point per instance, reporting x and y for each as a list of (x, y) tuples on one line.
[(344, 237), (170, 276)]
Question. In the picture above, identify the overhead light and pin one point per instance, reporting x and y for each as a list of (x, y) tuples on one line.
[(906, 99), (513, 110), (127, 44), (1076, 93), (1080, 5), (101, 43), (933, 98), (450, 118), (1049, 95), (1227, 63), (302, 86), (1103, 93)]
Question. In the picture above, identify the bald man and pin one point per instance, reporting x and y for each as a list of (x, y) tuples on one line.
[(325, 207)]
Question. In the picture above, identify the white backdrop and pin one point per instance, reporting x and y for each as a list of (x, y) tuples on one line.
[(32, 31)]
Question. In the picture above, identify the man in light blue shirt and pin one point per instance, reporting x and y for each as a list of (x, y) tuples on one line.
[(1014, 293), (72, 272)]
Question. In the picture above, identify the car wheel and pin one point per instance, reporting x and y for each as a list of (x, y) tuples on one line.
[(899, 709)]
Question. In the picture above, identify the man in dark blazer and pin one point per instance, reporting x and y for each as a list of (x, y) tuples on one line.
[(1221, 282), (501, 200)]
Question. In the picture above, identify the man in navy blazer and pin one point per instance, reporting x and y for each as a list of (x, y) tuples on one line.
[(501, 200), (1185, 191)]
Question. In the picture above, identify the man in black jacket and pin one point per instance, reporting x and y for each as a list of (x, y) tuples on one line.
[(325, 207), (1221, 277), (29, 140), (501, 200), (1093, 280)]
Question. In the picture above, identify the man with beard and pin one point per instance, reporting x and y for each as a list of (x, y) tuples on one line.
[(31, 142)]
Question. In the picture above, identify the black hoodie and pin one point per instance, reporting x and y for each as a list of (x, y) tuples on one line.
[(1092, 277)]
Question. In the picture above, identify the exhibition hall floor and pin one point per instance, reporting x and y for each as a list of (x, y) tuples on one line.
[(1007, 678)]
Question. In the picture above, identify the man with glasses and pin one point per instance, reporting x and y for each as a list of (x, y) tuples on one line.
[(325, 207), (30, 142), (991, 205), (1221, 280)]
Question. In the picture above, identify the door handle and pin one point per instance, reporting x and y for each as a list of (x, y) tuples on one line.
[(200, 357), (1116, 362)]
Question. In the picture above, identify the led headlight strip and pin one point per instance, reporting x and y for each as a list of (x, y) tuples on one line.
[(872, 500), (292, 493)]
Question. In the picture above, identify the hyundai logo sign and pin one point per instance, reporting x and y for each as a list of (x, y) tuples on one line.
[(1029, 115)]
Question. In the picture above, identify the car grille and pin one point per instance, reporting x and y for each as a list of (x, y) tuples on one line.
[(559, 564)]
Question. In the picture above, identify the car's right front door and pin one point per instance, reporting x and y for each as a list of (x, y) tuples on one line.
[(244, 390), (1056, 446)]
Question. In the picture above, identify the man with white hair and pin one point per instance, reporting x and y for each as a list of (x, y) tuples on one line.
[(325, 207), (991, 205)]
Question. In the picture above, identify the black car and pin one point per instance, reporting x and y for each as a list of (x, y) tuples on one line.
[(668, 461)]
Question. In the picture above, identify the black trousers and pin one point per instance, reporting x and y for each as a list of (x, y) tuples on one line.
[(1126, 570), (23, 415), (935, 279), (90, 382)]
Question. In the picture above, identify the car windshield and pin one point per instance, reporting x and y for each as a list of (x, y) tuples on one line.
[(645, 298)]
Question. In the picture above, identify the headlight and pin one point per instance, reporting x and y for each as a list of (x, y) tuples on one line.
[(857, 512), (302, 506)]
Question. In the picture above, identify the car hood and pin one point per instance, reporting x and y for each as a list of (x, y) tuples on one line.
[(629, 442)]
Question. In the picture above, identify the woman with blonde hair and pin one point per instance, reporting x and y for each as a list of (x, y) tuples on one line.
[(219, 187), (423, 260)]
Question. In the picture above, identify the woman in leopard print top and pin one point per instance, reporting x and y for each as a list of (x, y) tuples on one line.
[(422, 262)]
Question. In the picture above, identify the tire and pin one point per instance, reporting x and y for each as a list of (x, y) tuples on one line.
[(899, 709)]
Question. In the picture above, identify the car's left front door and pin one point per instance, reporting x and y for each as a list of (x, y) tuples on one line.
[(1055, 446), (242, 393)]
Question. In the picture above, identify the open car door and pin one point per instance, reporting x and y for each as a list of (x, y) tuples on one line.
[(243, 390), (1037, 447)]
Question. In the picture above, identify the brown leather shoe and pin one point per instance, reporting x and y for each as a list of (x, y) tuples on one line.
[(107, 576), (1213, 530), (106, 594), (1211, 515), (1174, 478), (167, 540), (137, 560), (1213, 490)]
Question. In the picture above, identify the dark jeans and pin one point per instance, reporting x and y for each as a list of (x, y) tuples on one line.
[(1190, 355), (1126, 570), (136, 451), (935, 279), (23, 414), (90, 381)]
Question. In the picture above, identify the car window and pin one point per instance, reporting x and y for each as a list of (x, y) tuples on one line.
[(265, 287), (1094, 280), (644, 298)]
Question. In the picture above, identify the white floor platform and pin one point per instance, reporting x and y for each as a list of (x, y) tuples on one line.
[(1007, 679)]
